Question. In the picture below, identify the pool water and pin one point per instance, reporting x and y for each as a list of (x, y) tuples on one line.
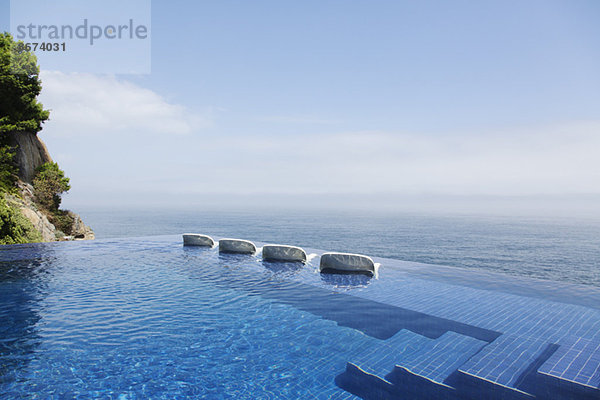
[(148, 318)]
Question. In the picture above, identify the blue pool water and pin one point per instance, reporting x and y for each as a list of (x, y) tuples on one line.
[(148, 318)]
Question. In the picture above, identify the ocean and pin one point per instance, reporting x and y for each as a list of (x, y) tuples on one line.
[(557, 249)]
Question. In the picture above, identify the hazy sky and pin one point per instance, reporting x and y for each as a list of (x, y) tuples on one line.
[(336, 102)]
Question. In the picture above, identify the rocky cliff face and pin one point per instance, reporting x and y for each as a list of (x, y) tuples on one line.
[(31, 152), (30, 211), (40, 221), (79, 229)]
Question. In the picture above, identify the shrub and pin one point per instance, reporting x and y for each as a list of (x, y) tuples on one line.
[(49, 184), (62, 221), (8, 169), (14, 227)]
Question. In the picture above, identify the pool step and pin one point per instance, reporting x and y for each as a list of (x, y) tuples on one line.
[(365, 374), (409, 365), (572, 372), (381, 360), (505, 369), (454, 366), (429, 372)]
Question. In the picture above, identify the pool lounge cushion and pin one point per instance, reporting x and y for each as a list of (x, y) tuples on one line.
[(236, 246), (195, 239), (346, 263), (275, 252)]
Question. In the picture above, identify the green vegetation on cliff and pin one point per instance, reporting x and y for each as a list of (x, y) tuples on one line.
[(14, 227), (19, 87), (49, 184), (20, 111), (8, 170)]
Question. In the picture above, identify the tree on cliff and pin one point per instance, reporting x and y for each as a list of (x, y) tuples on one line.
[(19, 109), (49, 184), (19, 87)]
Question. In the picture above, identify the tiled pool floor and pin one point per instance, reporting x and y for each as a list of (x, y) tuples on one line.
[(413, 332), (472, 337)]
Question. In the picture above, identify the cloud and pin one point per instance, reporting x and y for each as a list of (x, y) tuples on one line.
[(297, 119), (99, 134), (560, 159), (87, 104)]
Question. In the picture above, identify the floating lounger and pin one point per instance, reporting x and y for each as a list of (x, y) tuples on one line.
[(347, 263), (194, 239), (236, 246), (276, 252)]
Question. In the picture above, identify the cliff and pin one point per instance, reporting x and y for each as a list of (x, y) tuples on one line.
[(31, 153)]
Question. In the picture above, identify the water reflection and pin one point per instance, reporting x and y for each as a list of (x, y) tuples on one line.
[(346, 280), (235, 257), (283, 268)]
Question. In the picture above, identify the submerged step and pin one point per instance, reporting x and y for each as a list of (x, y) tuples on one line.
[(365, 374), (436, 362), (501, 368), (382, 359), (346, 263), (195, 239), (277, 252), (574, 369), (236, 246), (409, 364)]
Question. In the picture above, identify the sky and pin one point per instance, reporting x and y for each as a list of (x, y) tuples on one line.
[(398, 105)]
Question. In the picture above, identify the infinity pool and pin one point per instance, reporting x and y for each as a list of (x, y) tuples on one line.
[(148, 318)]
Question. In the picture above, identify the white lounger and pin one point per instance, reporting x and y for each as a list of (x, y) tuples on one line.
[(236, 246), (346, 263), (277, 252), (194, 239)]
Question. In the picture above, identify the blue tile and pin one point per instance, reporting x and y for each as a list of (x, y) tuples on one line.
[(438, 359), (577, 360), (505, 360), (381, 358)]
